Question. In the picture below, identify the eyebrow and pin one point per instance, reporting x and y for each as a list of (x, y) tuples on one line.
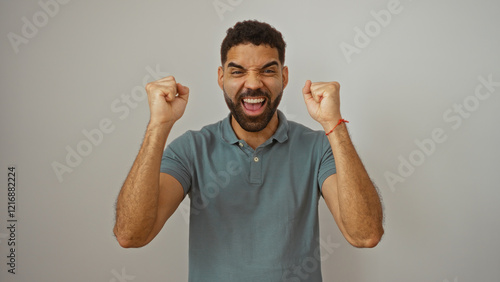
[(235, 65), (273, 63)]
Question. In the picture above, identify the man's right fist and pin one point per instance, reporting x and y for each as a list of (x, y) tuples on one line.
[(167, 100)]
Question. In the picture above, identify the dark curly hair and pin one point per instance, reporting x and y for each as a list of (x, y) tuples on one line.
[(254, 32)]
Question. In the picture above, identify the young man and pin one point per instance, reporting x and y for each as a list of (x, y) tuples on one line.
[(254, 178)]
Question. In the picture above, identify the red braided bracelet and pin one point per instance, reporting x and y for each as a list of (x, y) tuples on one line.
[(340, 121)]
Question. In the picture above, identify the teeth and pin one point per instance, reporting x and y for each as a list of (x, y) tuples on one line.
[(253, 101)]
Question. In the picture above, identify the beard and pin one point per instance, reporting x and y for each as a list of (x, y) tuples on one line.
[(252, 123)]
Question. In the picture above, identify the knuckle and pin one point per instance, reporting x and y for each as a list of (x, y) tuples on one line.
[(170, 79), (172, 88)]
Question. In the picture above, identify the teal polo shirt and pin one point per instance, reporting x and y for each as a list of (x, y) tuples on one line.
[(253, 213)]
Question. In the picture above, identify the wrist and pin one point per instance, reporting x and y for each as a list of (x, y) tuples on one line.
[(328, 125), (155, 125), (330, 122), (160, 123), (333, 126)]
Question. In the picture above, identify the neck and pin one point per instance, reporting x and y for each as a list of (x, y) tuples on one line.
[(255, 139)]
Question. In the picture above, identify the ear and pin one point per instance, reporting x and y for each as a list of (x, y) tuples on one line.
[(220, 77), (285, 76)]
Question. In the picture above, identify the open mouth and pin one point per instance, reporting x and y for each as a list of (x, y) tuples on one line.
[(253, 106)]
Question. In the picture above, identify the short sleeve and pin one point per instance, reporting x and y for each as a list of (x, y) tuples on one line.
[(327, 163), (176, 162)]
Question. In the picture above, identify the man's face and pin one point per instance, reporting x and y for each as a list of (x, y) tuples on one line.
[(252, 80)]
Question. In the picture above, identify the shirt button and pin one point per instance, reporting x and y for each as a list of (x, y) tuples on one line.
[(255, 159), (241, 144)]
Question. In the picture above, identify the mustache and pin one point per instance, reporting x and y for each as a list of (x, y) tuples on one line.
[(253, 93)]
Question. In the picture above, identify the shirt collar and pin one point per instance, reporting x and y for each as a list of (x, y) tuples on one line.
[(228, 135)]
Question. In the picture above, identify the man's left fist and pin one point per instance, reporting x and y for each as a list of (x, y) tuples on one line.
[(323, 102)]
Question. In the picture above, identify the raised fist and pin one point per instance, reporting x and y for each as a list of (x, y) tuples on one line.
[(167, 100), (323, 101)]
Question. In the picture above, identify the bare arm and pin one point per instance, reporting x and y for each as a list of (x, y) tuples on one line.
[(148, 198), (349, 194)]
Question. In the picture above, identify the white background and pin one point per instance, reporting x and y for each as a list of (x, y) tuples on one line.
[(441, 218)]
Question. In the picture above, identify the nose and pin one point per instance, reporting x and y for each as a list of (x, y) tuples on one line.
[(253, 81)]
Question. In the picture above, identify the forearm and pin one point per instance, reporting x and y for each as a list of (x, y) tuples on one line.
[(358, 201), (137, 204)]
